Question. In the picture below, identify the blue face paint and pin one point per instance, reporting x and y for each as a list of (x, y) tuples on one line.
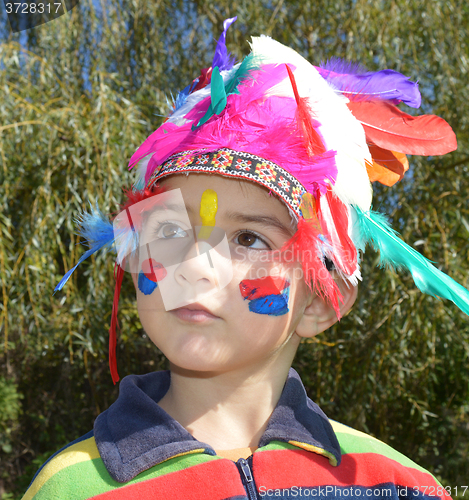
[(273, 305), (266, 295), (148, 277), (146, 286)]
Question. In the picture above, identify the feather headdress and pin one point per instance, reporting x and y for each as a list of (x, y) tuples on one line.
[(317, 137)]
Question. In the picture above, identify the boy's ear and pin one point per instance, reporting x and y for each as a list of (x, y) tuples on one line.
[(320, 315)]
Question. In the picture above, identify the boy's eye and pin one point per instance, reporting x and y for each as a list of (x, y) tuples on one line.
[(251, 240), (170, 230)]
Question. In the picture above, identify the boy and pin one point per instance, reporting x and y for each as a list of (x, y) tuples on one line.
[(234, 263)]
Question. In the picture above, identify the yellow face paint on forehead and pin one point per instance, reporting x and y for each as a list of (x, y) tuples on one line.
[(208, 211)]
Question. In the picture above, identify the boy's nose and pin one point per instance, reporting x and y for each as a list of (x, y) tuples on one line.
[(197, 269)]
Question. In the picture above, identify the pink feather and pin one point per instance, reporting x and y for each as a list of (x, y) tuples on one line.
[(251, 122)]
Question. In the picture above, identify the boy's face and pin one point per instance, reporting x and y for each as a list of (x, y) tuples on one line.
[(235, 327)]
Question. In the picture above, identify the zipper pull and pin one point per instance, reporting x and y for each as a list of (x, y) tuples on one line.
[(246, 470), (247, 478)]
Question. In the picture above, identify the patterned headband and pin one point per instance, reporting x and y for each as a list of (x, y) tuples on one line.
[(237, 165)]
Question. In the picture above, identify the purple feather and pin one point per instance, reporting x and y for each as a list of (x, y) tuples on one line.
[(341, 66), (222, 58), (358, 84)]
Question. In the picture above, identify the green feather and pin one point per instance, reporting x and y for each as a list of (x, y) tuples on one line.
[(374, 229), (217, 98), (219, 91), (243, 73)]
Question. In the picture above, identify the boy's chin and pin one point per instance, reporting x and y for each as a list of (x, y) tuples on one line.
[(205, 361), (194, 370), (194, 355)]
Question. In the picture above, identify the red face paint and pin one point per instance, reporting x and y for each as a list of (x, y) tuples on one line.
[(153, 270), (268, 295), (269, 285)]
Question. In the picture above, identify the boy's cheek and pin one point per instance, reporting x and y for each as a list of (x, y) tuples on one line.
[(268, 295), (146, 285), (275, 290), (256, 288)]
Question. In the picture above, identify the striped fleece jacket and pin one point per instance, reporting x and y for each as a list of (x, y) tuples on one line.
[(137, 451)]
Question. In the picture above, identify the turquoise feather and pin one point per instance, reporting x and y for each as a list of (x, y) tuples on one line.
[(217, 98), (219, 91), (243, 73), (373, 228)]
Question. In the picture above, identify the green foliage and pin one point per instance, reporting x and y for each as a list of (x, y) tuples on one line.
[(9, 412), (82, 92)]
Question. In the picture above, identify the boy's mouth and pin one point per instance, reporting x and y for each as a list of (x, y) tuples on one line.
[(194, 313)]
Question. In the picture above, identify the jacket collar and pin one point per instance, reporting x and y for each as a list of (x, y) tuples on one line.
[(134, 433)]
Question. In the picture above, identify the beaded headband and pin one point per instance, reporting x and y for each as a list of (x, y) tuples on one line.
[(238, 165)]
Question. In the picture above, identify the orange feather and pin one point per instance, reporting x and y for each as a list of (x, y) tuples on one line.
[(388, 166)]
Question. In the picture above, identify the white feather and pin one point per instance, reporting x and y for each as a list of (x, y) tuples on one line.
[(141, 170), (339, 128), (335, 243)]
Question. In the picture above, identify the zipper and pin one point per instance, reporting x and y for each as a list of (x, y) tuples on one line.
[(247, 478)]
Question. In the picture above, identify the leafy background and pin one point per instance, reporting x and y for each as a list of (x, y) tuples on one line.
[(79, 94)]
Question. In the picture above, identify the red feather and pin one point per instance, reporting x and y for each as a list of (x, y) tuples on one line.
[(118, 275), (303, 247), (313, 141), (390, 128), (134, 197), (203, 80), (344, 254)]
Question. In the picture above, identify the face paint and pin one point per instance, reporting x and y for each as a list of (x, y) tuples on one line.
[(146, 286), (273, 305), (268, 295), (156, 240), (207, 212), (153, 270), (148, 277)]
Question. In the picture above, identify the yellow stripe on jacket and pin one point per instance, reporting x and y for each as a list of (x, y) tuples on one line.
[(74, 454)]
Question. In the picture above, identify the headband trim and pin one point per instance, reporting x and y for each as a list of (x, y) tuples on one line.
[(240, 165)]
